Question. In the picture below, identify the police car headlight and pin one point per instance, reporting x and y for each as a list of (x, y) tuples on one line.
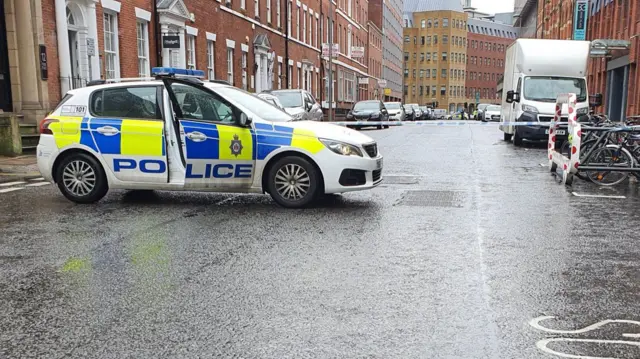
[(341, 148)]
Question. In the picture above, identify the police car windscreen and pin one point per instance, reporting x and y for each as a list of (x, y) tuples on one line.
[(256, 105)]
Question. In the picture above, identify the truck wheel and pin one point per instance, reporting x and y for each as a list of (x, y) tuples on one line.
[(293, 182), (517, 140), (507, 136), (81, 179)]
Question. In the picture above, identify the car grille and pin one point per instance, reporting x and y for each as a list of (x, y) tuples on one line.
[(377, 175), (549, 118), (495, 117), (371, 149)]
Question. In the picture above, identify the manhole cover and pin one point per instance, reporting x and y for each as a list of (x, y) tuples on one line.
[(400, 180), (433, 199)]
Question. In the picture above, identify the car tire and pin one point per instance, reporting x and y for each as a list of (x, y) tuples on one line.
[(380, 127), (507, 136), (287, 168), (517, 140), (386, 126), (81, 178)]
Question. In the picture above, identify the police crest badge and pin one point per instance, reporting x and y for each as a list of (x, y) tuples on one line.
[(236, 146)]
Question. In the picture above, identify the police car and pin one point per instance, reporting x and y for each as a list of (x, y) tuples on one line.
[(175, 131)]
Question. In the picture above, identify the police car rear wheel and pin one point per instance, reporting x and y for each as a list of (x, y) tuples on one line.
[(293, 182), (81, 179)]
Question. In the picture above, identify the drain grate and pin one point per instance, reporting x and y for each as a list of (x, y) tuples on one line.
[(400, 180), (424, 198)]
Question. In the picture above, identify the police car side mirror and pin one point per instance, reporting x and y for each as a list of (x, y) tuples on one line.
[(244, 119)]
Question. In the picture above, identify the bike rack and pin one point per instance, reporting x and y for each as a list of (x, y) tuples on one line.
[(569, 166)]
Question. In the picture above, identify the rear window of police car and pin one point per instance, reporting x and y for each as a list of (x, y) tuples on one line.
[(126, 102)]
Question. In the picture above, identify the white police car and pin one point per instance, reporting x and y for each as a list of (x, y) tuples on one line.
[(177, 132)]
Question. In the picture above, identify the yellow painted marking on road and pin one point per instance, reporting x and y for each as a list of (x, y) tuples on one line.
[(75, 265)]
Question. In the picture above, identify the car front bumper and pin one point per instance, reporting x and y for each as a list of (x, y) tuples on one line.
[(350, 173)]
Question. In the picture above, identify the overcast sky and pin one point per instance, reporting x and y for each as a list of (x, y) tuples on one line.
[(493, 6)]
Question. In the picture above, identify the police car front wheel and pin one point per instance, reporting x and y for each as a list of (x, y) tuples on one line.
[(293, 182), (81, 178)]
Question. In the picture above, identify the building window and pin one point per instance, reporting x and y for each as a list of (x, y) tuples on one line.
[(277, 12), (445, 22), (422, 40), (191, 52), (443, 91), (269, 11), (318, 30), (422, 57), (406, 73), (428, 74), (304, 26), (429, 23), (211, 60), (243, 4), (435, 39), (444, 73), (428, 40), (445, 39), (435, 23), (406, 38), (414, 74), (434, 73), (428, 56), (444, 56), (289, 17), (244, 70), (406, 56), (256, 8), (298, 25), (230, 65), (290, 74), (143, 48), (423, 23), (311, 31), (111, 45), (279, 75)]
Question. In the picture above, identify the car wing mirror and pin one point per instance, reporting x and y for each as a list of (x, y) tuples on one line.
[(245, 120)]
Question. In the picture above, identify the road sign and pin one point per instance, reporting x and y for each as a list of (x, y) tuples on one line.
[(363, 80), (382, 83), (580, 20)]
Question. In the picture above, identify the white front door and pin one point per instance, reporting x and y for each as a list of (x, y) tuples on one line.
[(75, 59)]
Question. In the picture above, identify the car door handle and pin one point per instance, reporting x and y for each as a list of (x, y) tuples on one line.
[(196, 136), (108, 130)]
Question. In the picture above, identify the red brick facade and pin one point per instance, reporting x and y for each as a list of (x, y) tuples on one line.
[(375, 61), (485, 66), (233, 23)]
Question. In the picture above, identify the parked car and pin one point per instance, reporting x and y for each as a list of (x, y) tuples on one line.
[(299, 103), (440, 114), (491, 113), (458, 116), (417, 111), (425, 113), (396, 111), (480, 110), (369, 111), (271, 99), (410, 113)]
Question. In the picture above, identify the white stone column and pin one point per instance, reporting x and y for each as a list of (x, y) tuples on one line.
[(92, 23), (26, 54), (263, 71), (166, 53), (182, 57), (64, 57)]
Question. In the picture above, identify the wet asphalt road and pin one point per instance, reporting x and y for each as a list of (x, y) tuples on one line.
[(467, 241)]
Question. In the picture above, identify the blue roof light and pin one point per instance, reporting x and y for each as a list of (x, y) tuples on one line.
[(173, 71)]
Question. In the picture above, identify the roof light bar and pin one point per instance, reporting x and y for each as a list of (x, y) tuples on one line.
[(176, 72)]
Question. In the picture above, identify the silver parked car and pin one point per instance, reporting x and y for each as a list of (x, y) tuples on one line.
[(396, 111), (299, 103)]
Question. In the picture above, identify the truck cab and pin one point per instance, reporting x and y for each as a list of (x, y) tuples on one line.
[(536, 72)]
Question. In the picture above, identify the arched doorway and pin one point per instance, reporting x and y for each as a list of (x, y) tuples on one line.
[(264, 57), (77, 34)]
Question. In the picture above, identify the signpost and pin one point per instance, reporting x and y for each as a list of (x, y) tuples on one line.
[(357, 52), (580, 20)]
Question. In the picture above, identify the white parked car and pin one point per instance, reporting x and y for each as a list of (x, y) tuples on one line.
[(395, 110), (491, 113), (178, 133), (271, 99)]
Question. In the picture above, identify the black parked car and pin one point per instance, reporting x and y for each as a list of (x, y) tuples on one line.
[(369, 111), (409, 113)]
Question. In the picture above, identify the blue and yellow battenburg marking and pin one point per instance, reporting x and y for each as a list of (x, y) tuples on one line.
[(133, 137)]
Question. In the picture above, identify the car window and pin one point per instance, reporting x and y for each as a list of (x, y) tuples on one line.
[(126, 102), (289, 99), (311, 98), (198, 104)]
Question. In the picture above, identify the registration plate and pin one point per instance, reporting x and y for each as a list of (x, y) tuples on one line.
[(558, 132), (379, 163)]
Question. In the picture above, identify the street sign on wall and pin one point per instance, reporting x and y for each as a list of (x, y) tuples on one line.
[(363, 80), (334, 53), (580, 20), (170, 42), (357, 52)]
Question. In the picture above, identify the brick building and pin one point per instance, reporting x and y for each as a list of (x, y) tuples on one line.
[(375, 62), (256, 45), (486, 49), (435, 52), (387, 16)]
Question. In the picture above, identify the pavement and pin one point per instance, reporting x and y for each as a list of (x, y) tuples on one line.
[(16, 168), (469, 249)]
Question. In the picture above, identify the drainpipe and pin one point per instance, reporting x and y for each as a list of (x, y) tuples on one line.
[(156, 20), (286, 40)]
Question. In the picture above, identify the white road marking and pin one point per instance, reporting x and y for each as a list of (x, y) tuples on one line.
[(597, 196), (536, 324), (11, 183), (11, 189), (38, 184), (542, 345), (37, 179)]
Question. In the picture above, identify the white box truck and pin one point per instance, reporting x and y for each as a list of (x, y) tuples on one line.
[(536, 72)]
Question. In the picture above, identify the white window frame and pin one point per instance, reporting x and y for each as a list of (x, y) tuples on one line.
[(269, 11), (298, 24), (290, 72), (304, 26), (310, 29), (278, 12), (244, 70), (230, 65), (211, 60), (142, 28), (317, 31), (279, 75), (190, 50), (114, 52), (243, 4), (256, 8), (288, 17)]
